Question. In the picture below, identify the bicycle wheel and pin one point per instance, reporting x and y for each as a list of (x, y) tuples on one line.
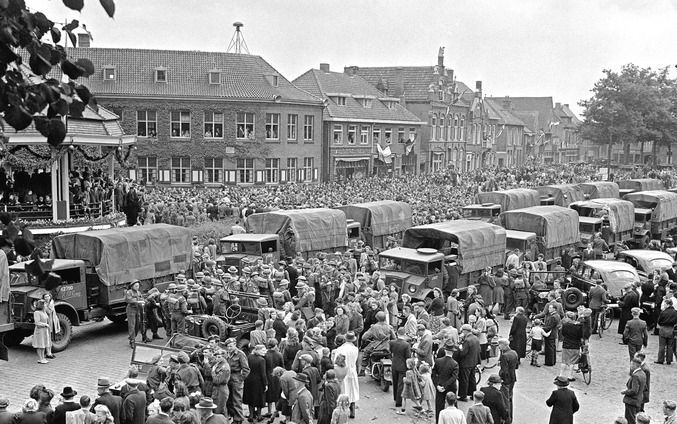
[(478, 374), (608, 318), (587, 375), (600, 324)]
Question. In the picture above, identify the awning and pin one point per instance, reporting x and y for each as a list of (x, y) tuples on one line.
[(351, 159)]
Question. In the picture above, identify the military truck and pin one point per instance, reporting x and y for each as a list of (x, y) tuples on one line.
[(238, 250), (303, 231), (655, 215), (560, 194), (490, 204), (378, 221), (613, 218), (449, 255), (90, 273), (639, 184), (600, 190), (556, 228)]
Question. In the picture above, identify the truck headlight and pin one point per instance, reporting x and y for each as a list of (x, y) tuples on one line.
[(412, 289)]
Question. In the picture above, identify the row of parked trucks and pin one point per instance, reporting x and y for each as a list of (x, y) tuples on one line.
[(89, 272)]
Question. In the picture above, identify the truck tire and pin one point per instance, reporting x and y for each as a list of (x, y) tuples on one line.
[(572, 299), (212, 326), (62, 340), (14, 338)]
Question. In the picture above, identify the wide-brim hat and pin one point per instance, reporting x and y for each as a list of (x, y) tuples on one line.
[(351, 337), (449, 345), (561, 381), (262, 301), (206, 403), (68, 392), (103, 382), (199, 274), (301, 285), (302, 377)]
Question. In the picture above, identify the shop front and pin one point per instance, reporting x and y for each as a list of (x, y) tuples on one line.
[(351, 168)]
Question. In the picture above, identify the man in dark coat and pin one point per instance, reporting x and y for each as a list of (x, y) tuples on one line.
[(666, 337), (400, 351), (495, 399), (597, 296), (468, 358), (563, 402), (58, 416), (132, 206), (114, 403), (518, 333), (635, 334), (633, 395), (302, 410), (509, 362), (134, 405), (629, 300), (330, 394), (552, 321), (444, 376)]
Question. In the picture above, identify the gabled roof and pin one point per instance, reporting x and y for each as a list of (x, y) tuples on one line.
[(328, 84), (505, 116), (243, 77), (563, 111), (540, 111)]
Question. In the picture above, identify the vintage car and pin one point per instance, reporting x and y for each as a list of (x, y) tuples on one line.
[(376, 221), (646, 261), (639, 184), (614, 275), (240, 249)]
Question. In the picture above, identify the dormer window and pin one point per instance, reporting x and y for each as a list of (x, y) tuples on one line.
[(340, 100), (109, 73), (366, 103), (160, 75), (214, 77)]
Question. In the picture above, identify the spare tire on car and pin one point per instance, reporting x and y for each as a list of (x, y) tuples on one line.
[(572, 298), (214, 326)]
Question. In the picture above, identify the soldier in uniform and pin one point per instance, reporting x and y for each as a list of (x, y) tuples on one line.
[(179, 309), (164, 306), (153, 304), (520, 292), (134, 310), (239, 370)]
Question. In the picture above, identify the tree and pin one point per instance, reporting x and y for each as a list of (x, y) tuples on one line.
[(27, 94), (633, 105)]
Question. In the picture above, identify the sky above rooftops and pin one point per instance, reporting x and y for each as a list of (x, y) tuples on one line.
[(517, 48)]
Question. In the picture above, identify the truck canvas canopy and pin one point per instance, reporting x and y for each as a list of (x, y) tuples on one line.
[(600, 189), (380, 218), (663, 203), (641, 184), (621, 213), (562, 194), (480, 244), (303, 230), (516, 198), (122, 255), (554, 225)]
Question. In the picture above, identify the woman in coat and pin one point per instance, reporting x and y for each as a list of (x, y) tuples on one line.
[(563, 402), (328, 398), (254, 393), (518, 333), (41, 337), (54, 325), (273, 360), (351, 385), (486, 287), (29, 414)]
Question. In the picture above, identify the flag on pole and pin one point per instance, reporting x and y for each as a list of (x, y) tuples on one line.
[(552, 124), (501, 131), (385, 155), (410, 146)]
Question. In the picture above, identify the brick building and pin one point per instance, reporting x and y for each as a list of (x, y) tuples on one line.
[(357, 119), (209, 117), (508, 132)]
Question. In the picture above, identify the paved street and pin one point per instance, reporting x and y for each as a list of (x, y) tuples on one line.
[(101, 349)]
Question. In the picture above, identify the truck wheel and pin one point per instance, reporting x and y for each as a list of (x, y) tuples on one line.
[(14, 338), (573, 298), (62, 339), (118, 319), (213, 326)]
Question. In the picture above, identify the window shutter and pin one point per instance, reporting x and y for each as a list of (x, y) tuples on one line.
[(259, 177), (132, 174), (164, 175), (283, 175), (315, 174)]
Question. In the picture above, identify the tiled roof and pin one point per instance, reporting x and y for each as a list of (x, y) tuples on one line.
[(541, 105), (101, 124), (322, 84), (564, 111), (242, 76), (505, 116)]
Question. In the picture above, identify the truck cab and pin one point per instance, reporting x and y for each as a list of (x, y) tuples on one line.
[(238, 250), (415, 271), (588, 227), (354, 229), (524, 241), (487, 212)]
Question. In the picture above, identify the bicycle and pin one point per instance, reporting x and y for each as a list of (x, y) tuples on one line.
[(605, 318)]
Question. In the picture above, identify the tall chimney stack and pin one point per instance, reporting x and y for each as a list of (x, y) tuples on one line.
[(440, 58), (324, 67), (478, 88)]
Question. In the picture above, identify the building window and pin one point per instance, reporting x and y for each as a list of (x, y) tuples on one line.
[(352, 133), (292, 169), (438, 158), (213, 125), (245, 170), (292, 126), (272, 170), (338, 134), (272, 126), (181, 170), (308, 124), (433, 125), (366, 103), (308, 169), (455, 128), (461, 130), (146, 123), (438, 128), (440, 95), (339, 100), (412, 134), (245, 125), (160, 75), (400, 135), (214, 77), (443, 126), (388, 135), (180, 123), (376, 135), (274, 80), (147, 168), (214, 170), (109, 73), (449, 128), (364, 135)]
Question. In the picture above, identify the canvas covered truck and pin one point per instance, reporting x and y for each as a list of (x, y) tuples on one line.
[(379, 220), (90, 272), (490, 204), (655, 215), (304, 231), (600, 190), (613, 217), (448, 255), (639, 184), (556, 228), (560, 194), (240, 250)]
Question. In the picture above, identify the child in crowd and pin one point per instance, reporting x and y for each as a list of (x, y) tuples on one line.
[(412, 389), (537, 335), (479, 413), (427, 388)]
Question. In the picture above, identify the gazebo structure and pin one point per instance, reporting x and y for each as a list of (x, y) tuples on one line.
[(98, 128)]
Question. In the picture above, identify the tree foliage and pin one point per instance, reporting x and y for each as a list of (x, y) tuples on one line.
[(29, 49)]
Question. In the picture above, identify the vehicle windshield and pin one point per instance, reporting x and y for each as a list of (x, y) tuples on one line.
[(642, 217), (403, 265), (354, 232), (588, 227), (621, 277), (514, 243), (660, 263), (19, 279), (252, 248)]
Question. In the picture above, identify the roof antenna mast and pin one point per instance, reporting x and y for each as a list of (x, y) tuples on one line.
[(237, 44)]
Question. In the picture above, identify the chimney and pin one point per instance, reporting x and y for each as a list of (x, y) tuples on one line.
[(478, 88), (84, 40), (558, 105), (398, 84), (566, 105), (324, 67), (440, 58), (507, 104), (350, 70)]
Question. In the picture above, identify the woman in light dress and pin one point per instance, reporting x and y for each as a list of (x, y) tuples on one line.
[(41, 336), (351, 386)]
